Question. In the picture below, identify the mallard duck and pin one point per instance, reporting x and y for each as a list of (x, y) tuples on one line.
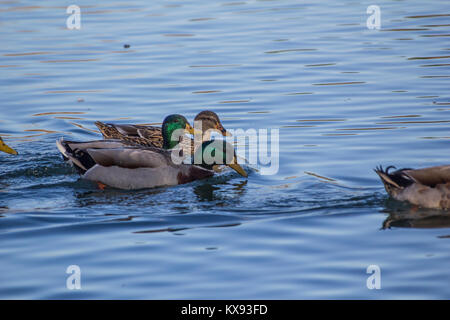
[(172, 134), (427, 187), (113, 163), (151, 136), (5, 148)]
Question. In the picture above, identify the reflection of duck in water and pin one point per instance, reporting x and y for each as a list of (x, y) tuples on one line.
[(427, 187), (220, 190), (7, 149), (416, 218)]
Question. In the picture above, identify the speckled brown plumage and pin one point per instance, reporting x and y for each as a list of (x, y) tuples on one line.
[(151, 136), (148, 136)]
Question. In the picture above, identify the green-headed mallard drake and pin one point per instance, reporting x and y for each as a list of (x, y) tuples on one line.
[(115, 164), (172, 134), (5, 148), (427, 187), (151, 136)]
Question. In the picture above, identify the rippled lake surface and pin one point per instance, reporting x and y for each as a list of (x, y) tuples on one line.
[(344, 98)]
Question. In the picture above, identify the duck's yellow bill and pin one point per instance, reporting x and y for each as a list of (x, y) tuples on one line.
[(223, 131), (5, 148), (236, 167), (191, 130)]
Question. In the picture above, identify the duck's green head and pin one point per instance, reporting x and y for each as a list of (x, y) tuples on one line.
[(217, 152), (5, 148), (172, 123)]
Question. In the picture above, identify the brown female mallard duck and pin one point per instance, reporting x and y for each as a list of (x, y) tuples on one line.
[(151, 136), (5, 148), (427, 187)]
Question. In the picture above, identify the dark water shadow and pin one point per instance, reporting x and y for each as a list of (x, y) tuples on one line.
[(210, 191), (402, 215)]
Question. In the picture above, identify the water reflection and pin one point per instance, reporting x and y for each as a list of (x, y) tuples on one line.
[(220, 191), (177, 229), (406, 216), (205, 192), (122, 198)]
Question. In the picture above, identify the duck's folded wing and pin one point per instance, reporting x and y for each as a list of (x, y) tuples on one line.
[(126, 129), (95, 144), (431, 176), (132, 130), (85, 155), (130, 158), (117, 131), (149, 132)]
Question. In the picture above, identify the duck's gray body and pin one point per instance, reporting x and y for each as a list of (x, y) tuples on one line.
[(115, 164)]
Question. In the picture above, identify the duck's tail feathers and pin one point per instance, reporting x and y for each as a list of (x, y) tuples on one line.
[(396, 180), (99, 124), (103, 127), (80, 159)]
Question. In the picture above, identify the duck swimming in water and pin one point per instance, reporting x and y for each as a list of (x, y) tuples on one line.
[(427, 187), (151, 136), (115, 164), (121, 163)]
